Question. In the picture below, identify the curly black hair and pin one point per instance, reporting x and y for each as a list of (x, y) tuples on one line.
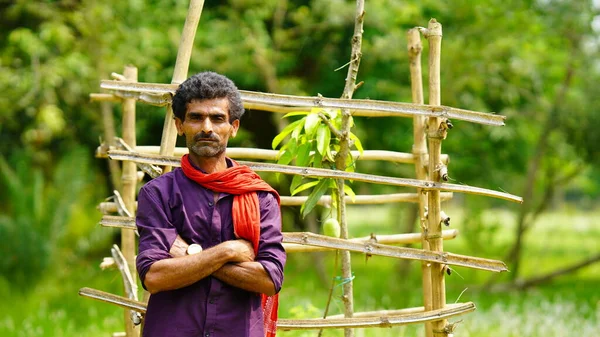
[(207, 85)]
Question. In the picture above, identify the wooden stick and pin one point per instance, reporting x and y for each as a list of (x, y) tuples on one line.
[(421, 158), (121, 301), (129, 182), (263, 154), (435, 133), (381, 239), (105, 98), (160, 94), (184, 53), (128, 281)]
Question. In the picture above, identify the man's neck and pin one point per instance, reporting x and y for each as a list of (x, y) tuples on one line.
[(209, 164)]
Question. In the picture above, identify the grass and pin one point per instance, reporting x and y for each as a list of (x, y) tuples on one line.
[(568, 306)]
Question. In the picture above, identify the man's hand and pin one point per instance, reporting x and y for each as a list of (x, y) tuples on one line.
[(179, 247), (242, 250)]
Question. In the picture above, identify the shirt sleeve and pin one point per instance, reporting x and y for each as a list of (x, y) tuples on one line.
[(157, 233), (271, 253)]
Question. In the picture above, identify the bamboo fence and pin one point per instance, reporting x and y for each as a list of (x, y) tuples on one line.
[(430, 127)]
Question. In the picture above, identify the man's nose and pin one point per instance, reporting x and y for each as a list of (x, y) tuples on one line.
[(207, 126)]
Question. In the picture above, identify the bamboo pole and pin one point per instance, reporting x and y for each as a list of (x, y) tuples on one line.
[(435, 132), (325, 173), (184, 53), (160, 94), (129, 181), (420, 157), (393, 239), (108, 207), (369, 248)]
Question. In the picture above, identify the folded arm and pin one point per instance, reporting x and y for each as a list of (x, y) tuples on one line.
[(184, 270)]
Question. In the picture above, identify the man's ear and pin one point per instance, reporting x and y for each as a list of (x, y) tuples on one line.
[(235, 125), (179, 125)]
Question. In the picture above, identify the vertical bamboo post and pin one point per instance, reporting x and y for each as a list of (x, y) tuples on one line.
[(340, 159), (435, 134), (184, 53), (419, 151), (129, 181)]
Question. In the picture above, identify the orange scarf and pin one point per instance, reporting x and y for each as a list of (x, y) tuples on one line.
[(243, 183)]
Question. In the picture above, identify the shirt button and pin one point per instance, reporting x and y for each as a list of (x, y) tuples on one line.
[(211, 301), (210, 203), (207, 334)]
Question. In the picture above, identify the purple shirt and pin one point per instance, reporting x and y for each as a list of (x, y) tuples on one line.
[(173, 204)]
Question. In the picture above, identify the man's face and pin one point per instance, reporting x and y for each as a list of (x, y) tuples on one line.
[(206, 126)]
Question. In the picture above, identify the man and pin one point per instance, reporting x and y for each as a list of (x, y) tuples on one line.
[(212, 289)]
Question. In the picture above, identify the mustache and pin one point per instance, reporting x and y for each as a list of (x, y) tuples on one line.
[(203, 136)]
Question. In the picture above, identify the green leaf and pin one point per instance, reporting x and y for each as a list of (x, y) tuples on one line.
[(348, 190), (303, 154), (317, 160), (305, 186), (286, 157), (323, 138), (298, 129), (315, 196), (296, 181), (329, 155), (312, 121), (357, 143), (286, 131), (295, 113)]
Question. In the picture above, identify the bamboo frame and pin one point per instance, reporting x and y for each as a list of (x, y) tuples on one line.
[(430, 169), (324, 173), (160, 94)]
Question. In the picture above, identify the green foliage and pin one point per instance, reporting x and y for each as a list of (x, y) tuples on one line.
[(38, 217), (311, 144)]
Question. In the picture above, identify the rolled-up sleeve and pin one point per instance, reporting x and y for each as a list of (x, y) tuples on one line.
[(271, 253), (157, 233)]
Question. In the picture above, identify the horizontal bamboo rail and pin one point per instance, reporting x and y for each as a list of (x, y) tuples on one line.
[(369, 248), (407, 238), (375, 322), (307, 238), (160, 94), (383, 313), (363, 320), (324, 173), (121, 301), (264, 154), (394, 239), (108, 207)]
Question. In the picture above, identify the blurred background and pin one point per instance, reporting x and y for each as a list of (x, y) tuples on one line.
[(536, 62)]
